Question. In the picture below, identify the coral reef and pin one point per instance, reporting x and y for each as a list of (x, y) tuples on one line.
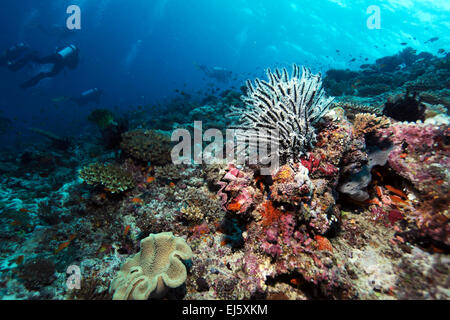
[(357, 210)]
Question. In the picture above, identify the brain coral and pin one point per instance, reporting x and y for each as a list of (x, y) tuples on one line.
[(152, 270), (147, 145)]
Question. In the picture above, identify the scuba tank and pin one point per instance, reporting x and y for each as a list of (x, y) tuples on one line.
[(67, 51), (89, 92)]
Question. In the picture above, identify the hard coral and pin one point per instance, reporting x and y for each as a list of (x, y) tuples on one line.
[(367, 122), (147, 145), (112, 177)]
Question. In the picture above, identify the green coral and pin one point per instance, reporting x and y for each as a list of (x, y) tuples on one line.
[(112, 177)]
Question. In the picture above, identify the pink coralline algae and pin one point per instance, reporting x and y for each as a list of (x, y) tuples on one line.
[(420, 154)]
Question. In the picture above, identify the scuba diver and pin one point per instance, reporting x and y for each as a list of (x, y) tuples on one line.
[(17, 56), (65, 57), (91, 95), (218, 73)]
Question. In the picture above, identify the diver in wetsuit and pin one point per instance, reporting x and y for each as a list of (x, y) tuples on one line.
[(17, 56), (218, 73), (91, 95), (65, 57)]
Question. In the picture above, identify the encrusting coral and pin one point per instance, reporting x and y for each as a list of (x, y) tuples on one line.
[(112, 177), (291, 106), (155, 268)]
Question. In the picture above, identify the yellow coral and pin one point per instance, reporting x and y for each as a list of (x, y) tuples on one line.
[(192, 213), (284, 174), (152, 270), (112, 177), (367, 122)]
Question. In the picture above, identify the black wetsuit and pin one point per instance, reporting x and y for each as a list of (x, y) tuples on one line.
[(58, 64), (17, 57)]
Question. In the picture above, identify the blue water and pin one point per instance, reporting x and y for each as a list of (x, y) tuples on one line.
[(139, 52)]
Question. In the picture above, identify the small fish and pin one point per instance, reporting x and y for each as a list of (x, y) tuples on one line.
[(403, 43), (432, 39), (137, 200), (127, 229), (103, 248), (150, 179), (403, 155), (23, 210), (436, 249), (396, 191), (19, 260), (441, 51), (378, 174), (375, 201), (64, 245), (172, 185), (354, 59), (379, 191), (398, 200)]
